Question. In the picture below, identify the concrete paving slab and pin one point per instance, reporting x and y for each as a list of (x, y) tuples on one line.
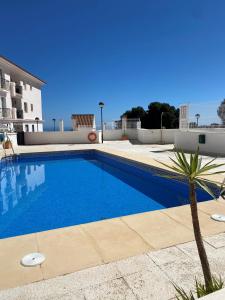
[(182, 214), (183, 272), (158, 229), (216, 241), (135, 264), (88, 277), (67, 250), (216, 256), (167, 255), (112, 290), (150, 285), (115, 240), (212, 207), (41, 291), (12, 273)]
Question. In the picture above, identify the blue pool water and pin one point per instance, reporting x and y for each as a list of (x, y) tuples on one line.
[(42, 192)]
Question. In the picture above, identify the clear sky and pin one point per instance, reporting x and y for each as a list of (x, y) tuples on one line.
[(123, 52)]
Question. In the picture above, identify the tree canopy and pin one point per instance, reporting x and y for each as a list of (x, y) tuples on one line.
[(221, 111), (151, 118)]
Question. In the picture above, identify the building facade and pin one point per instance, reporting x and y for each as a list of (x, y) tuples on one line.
[(20, 98)]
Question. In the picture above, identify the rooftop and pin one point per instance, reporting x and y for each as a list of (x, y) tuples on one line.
[(9, 62)]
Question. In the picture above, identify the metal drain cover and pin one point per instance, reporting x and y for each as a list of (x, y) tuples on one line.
[(32, 259), (218, 217)]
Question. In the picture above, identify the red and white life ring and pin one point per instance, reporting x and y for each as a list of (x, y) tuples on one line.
[(92, 136)]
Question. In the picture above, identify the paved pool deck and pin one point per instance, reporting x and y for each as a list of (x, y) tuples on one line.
[(101, 245)]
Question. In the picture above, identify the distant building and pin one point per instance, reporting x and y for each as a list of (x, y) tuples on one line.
[(20, 98), (80, 121)]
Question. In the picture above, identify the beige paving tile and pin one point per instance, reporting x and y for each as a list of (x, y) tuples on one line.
[(212, 207), (182, 214), (158, 229), (115, 240), (67, 250), (12, 273)]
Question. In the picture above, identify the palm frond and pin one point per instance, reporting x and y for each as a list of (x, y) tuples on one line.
[(205, 187)]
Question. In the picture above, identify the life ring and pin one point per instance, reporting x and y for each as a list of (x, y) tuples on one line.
[(92, 136)]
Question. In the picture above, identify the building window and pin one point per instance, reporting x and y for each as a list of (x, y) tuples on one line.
[(27, 128), (30, 88), (33, 128), (25, 107), (32, 107)]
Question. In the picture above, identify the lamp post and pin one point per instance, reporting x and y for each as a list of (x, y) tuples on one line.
[(37, 119), (54, 123), (161, 119), (197, 116), (161, 123), (101, 105)]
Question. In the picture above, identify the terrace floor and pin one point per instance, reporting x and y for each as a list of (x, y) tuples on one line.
[(132, 257)]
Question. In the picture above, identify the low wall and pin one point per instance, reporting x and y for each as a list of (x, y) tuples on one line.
[(116, 134), (144, 136), (112, 135), (156, 136), (189, 141), (57, 137)]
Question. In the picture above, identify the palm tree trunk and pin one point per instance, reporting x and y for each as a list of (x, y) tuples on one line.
[(198, 237)]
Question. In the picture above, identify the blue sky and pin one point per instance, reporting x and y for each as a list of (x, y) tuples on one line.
[(123, 52)]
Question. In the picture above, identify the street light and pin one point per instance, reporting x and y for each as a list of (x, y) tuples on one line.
[(101, 105), (54, 123), (197, 116), (161, 119), (37, 119)]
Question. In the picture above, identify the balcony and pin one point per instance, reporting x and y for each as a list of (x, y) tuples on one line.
[(18, 91), (4, 84), (5, 113), (11, 113)]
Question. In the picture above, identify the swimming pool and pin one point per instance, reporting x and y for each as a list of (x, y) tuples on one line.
[(52, 190)]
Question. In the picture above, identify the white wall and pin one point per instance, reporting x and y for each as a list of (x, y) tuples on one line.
[(132, 133), (145, 136), (112, 135), (116, 134), (156, 136), (57, 137), (188, 141), (32, 95)]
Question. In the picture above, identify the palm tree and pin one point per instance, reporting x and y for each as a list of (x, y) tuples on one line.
[(193, 171)]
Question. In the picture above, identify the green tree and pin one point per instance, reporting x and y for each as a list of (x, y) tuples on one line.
[(170, 118), (135, 112), (221, 111), (152, 117), (193, 171)]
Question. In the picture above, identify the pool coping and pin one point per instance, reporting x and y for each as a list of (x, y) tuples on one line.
[(78, 247)]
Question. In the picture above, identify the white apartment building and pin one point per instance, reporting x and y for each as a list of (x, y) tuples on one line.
[(20, 98)]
